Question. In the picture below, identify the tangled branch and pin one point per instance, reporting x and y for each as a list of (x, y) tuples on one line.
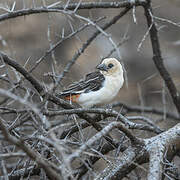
[(44, 135)]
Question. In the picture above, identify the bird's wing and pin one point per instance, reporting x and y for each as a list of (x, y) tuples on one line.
[(92, 82)]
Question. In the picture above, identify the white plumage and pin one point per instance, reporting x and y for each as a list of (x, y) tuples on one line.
[(110, 79)]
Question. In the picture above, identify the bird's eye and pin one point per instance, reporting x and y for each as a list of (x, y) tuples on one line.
[(110, 65)]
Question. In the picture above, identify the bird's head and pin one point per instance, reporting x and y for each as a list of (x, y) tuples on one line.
[(110, 66)]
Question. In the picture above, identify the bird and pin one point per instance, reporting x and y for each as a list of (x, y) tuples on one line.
[(97, 88)]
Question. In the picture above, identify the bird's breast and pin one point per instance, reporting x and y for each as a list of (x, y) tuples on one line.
[(113, 84), (104, 95)]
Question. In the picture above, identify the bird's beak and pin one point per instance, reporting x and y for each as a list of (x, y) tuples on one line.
[(102, 67)]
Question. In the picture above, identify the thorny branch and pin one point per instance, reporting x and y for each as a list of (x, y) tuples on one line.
[(90, 5), (32, 154), (157, 58), (50, 97), (57, 148)]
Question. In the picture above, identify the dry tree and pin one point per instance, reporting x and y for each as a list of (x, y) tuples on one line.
[(45, 137)]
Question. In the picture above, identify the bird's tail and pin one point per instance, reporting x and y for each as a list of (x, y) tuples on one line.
[(69, 97)]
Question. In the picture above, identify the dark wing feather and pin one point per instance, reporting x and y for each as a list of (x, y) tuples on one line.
[(92, 82)]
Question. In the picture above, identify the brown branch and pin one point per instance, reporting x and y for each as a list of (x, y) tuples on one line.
[(157, 58), (104, 5), (84, 116), (90, 5)]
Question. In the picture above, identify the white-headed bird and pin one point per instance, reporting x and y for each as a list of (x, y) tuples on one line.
[(99, 87)]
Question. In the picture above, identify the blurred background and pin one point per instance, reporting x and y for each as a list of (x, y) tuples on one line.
[(28, 38)]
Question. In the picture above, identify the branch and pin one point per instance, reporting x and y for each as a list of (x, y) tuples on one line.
[(125, 38), (44, 122), (130, 108), (32, 154), (157, 146), (95, 5), (103, 132), (25, 73), (24, 173), (156, 162), (55, 46), (106, 148), (124, 164), (107, 113), (51, 97), (10, 155), (90, 5), (157, 58), (133, 156)]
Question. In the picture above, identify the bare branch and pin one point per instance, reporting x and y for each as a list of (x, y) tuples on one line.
[(10, 155), (106, 113), (20, 69), (133, 156), (44, 135), (90, 5), (157, 58), (155, 164), (104, 150), (130, 108), (103, 132), (32, 154), (124, 164)]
